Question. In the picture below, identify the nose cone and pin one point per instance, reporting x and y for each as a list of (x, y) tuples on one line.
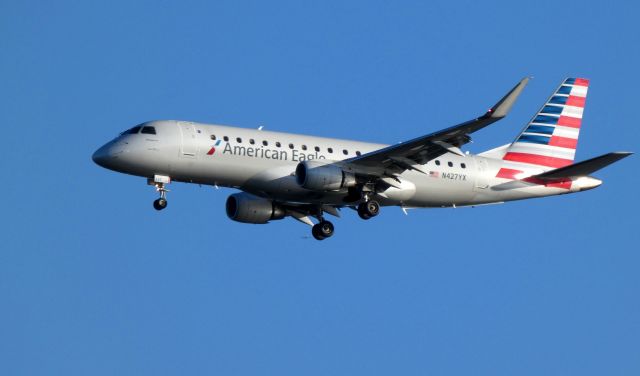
[(101, 156), (109, 154)]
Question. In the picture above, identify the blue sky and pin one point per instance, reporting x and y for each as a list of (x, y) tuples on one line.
[(94, 281)]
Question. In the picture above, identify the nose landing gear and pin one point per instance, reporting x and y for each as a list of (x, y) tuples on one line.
[(159, 181), (160, 203)]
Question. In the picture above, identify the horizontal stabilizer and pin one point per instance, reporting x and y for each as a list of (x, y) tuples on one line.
[(583, 168)]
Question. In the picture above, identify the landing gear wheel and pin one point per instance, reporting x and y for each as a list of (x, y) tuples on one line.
[(160, 204), (322, 230), (315, 231), (369, 209), (362, 214)]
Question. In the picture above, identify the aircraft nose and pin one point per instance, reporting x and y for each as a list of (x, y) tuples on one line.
[(107, 155), (101, 156)]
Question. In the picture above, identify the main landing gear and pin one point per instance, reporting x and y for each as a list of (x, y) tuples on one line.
[(368, 209), (159, 182), (322, 230)]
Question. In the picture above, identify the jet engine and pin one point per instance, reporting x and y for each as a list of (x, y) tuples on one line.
[(323, 176), (247, 208)]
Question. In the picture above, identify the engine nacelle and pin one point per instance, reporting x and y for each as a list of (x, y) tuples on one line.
[(247, 208), (323, 176)]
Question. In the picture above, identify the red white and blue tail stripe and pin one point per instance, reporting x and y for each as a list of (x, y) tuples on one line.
[(549, 141)]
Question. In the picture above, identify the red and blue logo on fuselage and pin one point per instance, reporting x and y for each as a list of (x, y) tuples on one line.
[(213, 148)]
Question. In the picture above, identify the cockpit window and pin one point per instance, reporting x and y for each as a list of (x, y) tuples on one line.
[(148, 130), (133, 130)]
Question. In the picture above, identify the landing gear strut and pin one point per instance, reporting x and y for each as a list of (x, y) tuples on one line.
[(322, 230), (159, 182), (368, 209)]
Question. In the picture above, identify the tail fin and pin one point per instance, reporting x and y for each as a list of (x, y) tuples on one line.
[(550, 139)]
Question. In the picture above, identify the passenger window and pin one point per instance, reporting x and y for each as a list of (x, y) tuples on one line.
[(304, 147), (358, 153), (213, 137), (265, 143), (330, 150), (278, 144), (290, 146), (317, 148), (252, 141), (345, 152), (239, 140), (225, 138), (148, 130), (463, 165), (437, 162), (450, 164)]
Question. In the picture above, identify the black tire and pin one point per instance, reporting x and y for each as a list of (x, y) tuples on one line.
[(326, 229), (160, 204), (372, 208), (369, 209), (315, 231), (362, 213), (322, 230)]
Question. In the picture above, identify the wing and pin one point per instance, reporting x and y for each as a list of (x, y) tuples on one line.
[(395, 159)]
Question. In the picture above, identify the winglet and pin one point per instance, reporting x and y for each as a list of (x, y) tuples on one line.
[(500, 109)]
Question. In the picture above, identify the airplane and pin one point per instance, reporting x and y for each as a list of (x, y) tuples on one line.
[(305, 177)]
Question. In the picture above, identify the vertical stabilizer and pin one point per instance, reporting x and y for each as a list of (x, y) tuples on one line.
[(549, 141)]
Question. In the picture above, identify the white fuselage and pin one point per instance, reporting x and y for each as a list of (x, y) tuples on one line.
[(264, 163)]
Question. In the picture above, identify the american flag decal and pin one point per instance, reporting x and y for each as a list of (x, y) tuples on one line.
[(434, 174)]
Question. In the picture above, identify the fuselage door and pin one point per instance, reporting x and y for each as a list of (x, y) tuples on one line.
[(189, 146), (482, 179)]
